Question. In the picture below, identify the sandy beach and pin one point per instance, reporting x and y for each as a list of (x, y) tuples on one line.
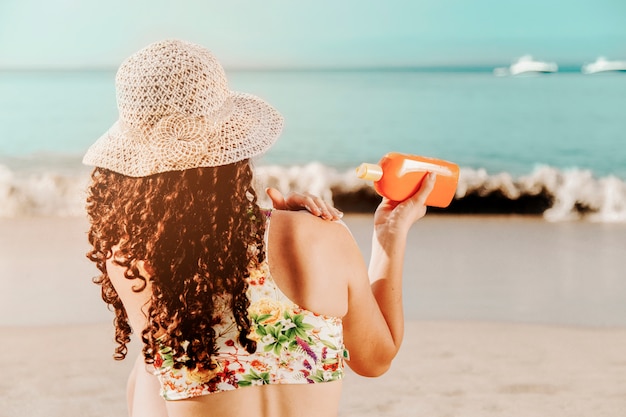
[(507, 316)]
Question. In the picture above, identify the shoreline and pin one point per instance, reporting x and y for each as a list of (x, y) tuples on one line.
[(557, 194)]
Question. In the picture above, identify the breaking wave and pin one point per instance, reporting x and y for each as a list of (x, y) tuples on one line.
[(555, 194)]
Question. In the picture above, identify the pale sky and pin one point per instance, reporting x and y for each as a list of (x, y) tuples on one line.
[(306, 33)]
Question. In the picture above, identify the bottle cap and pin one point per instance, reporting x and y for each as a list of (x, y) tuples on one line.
[(370, 172)]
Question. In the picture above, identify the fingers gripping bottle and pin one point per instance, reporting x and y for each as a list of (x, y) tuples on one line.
[(398, 176)]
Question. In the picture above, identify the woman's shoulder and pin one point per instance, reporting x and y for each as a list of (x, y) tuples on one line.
[(302, 224), (311, 260), (307, 240)]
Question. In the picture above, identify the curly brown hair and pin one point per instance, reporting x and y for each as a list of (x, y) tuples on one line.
[(195, 230)]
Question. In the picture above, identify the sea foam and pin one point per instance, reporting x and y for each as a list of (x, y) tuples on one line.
[(555, 194), (41, 194), (558, 195)]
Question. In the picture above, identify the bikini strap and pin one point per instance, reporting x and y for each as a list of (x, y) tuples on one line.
[(268, 215)]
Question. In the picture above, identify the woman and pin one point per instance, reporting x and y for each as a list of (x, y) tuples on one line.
[(237, 318)]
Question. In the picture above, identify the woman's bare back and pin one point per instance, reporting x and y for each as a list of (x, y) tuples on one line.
[(301, 249)]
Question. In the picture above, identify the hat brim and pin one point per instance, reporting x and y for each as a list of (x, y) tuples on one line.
[(250, 129)]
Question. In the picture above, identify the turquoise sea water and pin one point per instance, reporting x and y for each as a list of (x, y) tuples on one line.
[(559, 130)]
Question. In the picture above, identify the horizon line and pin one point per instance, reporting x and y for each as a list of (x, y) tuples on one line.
[(569, 67)]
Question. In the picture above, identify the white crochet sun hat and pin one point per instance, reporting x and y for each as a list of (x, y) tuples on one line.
[(176, 112)]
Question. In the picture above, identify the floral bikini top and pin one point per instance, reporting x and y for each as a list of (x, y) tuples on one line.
[(294, 346)]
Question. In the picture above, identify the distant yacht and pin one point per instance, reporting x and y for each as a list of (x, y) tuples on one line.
[(603, 65), (527, 65)]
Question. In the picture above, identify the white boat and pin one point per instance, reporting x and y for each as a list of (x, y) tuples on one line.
[(603, 65), (527, 65)]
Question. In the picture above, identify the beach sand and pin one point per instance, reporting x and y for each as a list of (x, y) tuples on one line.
[(507, 316)]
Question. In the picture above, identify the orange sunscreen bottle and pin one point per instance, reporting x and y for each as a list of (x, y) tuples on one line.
[(398, 176)]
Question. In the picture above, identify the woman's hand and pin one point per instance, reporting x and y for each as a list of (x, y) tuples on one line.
[(297, 201), (397, 217)]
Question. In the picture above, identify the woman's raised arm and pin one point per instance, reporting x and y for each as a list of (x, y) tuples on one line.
[(374, 324)]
